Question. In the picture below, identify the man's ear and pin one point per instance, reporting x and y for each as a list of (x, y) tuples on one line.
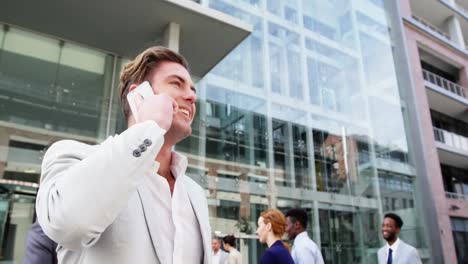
[(132, 87), (297, 225), (268, 226)]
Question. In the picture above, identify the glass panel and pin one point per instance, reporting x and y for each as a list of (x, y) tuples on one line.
[(60, 84), (285, 63), (330, 135), (281, 149), (50, 90), (246, 62)]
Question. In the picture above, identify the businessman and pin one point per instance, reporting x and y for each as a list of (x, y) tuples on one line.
[(395, 251), (219, 256), (304, 250), (128, 200)]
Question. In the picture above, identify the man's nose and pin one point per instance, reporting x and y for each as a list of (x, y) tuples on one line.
[(191, 96)]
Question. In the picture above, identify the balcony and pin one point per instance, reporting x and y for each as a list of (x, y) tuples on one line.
[(456, 196), (450, 86), (461, 8), (435, 23), (452, 148), (432, 28), (457, 204), (457, 6), (445, 96), (451, 139)]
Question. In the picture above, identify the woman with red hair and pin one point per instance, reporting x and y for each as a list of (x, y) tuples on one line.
[(271, 227)]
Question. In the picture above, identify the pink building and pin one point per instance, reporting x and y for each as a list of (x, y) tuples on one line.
[(436, 33)]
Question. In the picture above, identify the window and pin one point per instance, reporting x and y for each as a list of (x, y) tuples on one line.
[(460, 235)]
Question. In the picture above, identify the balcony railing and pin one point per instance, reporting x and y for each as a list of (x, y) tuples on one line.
[(459, 6), (432, 27), (451, 139), (444, 83), (456, 196)]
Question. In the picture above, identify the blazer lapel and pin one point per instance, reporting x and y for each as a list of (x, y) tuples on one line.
[(201, 212), (151, 217)]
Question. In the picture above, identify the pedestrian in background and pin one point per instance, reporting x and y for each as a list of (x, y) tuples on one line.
[(304, 250), (234, 257), (396, 251), (40, 249), (271, 227), (219, 255)]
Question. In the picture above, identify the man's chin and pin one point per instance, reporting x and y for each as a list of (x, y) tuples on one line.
[(179, 131)]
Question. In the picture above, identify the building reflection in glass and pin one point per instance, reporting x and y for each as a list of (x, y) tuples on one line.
[(304, 113)]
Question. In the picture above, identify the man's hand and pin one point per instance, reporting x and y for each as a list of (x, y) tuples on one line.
[(159, 107)]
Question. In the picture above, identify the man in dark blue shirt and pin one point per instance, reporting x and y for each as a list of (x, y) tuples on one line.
[(40, 249)]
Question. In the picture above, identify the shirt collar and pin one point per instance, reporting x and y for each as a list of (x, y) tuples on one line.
[(394, 246), (301, 236), (178, 164)]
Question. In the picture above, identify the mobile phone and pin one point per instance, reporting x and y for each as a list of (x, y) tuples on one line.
[(137, 96)]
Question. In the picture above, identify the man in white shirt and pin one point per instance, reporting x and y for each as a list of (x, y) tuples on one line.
[(219, 256), (396, 251), (304, 250), (128, 200)]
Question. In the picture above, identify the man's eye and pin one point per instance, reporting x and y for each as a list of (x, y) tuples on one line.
[(176, 84)]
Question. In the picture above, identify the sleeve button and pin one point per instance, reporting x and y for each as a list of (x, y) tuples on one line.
[(142, 148), (147, 142), (136, 153)]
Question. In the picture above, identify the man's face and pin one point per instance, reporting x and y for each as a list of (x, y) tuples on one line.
[(291, 228), (174, 80), (215, 245), (389, 229)]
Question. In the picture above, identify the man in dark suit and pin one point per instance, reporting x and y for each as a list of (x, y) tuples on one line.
[(396, 251)]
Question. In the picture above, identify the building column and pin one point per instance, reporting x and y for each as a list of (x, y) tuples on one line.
[(463, 81), (4, 142), (405, 8), (454, 28), (171, 36)]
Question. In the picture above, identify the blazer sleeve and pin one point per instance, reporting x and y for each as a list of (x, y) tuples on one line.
[(83, 188)]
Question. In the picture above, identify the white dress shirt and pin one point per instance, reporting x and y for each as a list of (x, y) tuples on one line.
[(178, 225), (216, 257), (394, 248), (220, 257), (305, 251)]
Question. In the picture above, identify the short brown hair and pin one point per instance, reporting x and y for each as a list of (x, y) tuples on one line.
[(137, 70), (230, 239)]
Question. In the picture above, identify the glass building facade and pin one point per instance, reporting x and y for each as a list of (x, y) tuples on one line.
[(306, 112)]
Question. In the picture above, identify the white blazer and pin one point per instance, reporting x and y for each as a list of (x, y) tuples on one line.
[(406, 254), (94, 203)]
